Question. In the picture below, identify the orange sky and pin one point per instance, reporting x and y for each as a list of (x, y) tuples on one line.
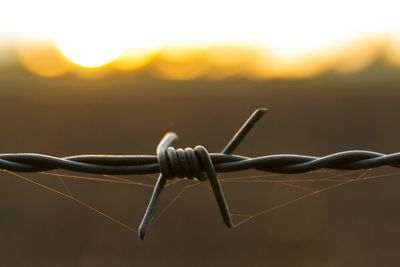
[(192, 39), (212, 62)]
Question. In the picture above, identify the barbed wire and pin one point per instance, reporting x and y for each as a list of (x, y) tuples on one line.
[(143, 164), (196, 163)]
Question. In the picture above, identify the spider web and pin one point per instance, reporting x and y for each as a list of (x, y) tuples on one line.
[(298, 187)]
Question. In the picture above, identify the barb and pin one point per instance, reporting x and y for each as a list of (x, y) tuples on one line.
[(196, 163)]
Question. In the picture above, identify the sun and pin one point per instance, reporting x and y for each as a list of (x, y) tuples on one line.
[(90, 50)]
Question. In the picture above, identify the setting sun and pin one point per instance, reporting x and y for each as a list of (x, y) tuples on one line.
[(93, 52), (291, 38)]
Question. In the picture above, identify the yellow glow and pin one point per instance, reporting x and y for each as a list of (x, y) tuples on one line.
[(95, 52), (133, 59), (43, 59), (277, 39), (89, 31), (393, 54), (359, 55), (216, 62), (180, 63)]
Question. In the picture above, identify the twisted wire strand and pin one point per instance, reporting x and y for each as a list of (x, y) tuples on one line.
[(179, 164), (196, 163)]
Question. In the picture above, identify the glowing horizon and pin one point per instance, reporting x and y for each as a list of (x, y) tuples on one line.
[(127, 34), (212, 62)]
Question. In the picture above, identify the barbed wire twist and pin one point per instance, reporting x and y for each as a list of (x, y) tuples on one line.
[(196, 163)]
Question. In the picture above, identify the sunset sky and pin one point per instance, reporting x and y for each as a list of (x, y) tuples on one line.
[(90, 34)]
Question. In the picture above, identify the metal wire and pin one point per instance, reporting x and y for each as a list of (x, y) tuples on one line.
[(124, 165), (196, 163)]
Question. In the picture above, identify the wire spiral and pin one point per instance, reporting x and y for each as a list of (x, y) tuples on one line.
[(196, 163), (182, 163)]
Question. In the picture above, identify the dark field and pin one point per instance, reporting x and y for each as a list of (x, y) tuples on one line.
[(354, 225)]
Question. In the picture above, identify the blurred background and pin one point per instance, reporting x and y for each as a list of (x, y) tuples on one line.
[(111, 77)]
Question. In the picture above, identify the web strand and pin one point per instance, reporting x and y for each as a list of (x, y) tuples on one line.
[(289, 181), (313, 193), (64, 184), (80, 202)]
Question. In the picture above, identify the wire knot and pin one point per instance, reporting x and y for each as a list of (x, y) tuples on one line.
[(184, 163), (193, 163)]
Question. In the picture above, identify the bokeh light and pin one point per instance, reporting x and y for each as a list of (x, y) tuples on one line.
[(254, 39), (43, 59)]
